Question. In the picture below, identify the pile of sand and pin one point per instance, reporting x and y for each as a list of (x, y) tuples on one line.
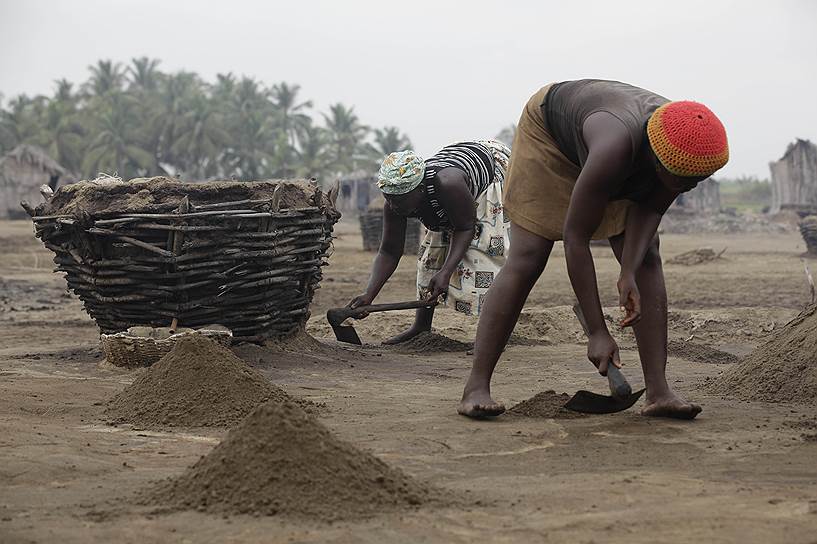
[(558, 325), (198, 384), (732, 325), (700, 353), (281, 461), (784, 369), (547, 404), (301, 342), (431, 342)]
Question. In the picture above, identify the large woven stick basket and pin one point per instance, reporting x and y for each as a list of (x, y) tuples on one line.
[(247, 256)]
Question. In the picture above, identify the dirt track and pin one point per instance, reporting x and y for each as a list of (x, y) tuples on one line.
[(741, 472)]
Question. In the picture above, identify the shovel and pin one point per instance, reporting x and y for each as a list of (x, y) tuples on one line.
[(622, 396), (347, 333)]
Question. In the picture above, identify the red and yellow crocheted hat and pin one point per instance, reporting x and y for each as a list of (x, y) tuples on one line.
[(688, 139)]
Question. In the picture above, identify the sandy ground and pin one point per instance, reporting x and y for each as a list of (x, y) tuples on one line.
[(741, 472)]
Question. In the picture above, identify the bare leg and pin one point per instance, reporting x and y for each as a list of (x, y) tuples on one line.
[(422, 323), (651, 336), (527, 258)]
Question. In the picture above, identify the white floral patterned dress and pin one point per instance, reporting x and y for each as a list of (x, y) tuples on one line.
[(486, 254)]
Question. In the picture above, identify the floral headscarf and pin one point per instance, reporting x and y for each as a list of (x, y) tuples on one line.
[(401, 172)]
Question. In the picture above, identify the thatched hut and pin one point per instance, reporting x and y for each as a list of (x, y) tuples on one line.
[(706, 197), (23, 170), (794, 178)]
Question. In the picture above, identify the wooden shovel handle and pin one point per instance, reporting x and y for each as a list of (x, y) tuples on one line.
[(619, 387), (412, 304)]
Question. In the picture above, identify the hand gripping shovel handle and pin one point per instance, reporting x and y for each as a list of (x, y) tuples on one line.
[(619, 387), (346, 333), (337, 315)]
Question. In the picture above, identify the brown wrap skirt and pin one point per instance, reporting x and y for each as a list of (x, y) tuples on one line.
[(540, 180)]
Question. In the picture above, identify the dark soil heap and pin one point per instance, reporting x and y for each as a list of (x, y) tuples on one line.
[(282, 461), (429, 342), (547, 404), (198, 384), (784, 369)]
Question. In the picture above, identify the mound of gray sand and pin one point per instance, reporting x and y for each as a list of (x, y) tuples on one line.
[(784, 369), (547, 404), (282, 461), (198, 384)]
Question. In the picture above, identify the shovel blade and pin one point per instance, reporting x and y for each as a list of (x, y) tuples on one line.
[(588, 402), (343, 333), (346, 333)]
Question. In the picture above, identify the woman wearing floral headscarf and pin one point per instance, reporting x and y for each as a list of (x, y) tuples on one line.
[(457, 195)]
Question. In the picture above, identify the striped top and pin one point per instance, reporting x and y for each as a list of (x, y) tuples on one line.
[(474, 159)]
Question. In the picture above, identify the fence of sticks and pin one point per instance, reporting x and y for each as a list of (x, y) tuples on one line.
[(146, 252)]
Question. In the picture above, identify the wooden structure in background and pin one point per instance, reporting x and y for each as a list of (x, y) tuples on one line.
[(794, 178), (706, 197)]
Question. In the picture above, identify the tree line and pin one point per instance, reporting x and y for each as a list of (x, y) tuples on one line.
[(136, 120)]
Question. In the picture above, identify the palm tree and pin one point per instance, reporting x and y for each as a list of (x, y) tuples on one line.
[(252, 124), (11, 123), (292, 121), (222, 90), (106, 76), (249, 97), (20, 122), (137, 120), (171, 105), (312, 154), (115, 148), (388, 140), (65, 92), (144, 73), (201, 139), (292, 114), (253, 153), (62, 131), (346, 135)]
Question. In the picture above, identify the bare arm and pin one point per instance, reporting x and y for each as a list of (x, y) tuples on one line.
[(642, 224), (387, 258), (459, 205), (607, 162), (608, 158), (643, 220)]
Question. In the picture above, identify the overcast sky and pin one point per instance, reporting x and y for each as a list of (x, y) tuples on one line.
[(447, 70)]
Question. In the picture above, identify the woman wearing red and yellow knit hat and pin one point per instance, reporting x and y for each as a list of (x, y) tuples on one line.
[(596, 159)]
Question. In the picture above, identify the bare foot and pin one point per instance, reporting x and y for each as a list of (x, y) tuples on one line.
[(404, 336), (479, 404), (672, 406)]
